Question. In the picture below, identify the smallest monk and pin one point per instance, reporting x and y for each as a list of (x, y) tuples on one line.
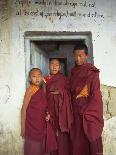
[(33, 113)]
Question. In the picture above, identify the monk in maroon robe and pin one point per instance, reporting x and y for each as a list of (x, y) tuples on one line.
[(59, 108), (33, 113), (87, 105)]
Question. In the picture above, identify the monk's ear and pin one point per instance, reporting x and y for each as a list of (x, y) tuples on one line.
[(87, 56), (60, 67), (29, 79), (49, 66)]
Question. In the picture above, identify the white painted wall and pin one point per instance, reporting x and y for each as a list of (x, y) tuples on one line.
[(12, 55), (103, 29)]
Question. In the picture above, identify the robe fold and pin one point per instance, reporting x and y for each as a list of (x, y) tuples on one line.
[(35, 125), (88, 111), (60, 109)]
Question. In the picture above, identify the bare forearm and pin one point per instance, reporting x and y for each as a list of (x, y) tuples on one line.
[(23, 118)]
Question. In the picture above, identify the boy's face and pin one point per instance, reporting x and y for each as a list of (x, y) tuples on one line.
[(36, 77), (54, 66), (80, 57)]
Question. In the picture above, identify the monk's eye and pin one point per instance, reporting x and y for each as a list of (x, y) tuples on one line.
[(57, 65)]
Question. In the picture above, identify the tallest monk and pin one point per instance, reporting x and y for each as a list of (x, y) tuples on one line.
[(87, 105)]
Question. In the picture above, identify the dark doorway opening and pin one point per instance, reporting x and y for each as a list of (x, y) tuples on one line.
[(43, 51)]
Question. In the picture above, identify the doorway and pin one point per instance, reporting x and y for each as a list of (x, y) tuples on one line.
[(40, 47)]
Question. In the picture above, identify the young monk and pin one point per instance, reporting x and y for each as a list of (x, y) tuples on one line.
[(59, 107), (33, 113), (87, 105)]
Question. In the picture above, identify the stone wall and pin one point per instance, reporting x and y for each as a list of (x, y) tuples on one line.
[(109, 133), (109, 100)]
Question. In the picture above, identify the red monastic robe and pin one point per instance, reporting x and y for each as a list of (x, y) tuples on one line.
[(35, 125), (59, 107), (88, 111)]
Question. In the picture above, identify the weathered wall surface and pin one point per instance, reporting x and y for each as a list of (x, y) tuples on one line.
[(17, 17), (109, 100), (109, 133)]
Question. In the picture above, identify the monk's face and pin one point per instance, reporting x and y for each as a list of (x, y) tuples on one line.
[(54, 66), (80, 57), (36, 77)]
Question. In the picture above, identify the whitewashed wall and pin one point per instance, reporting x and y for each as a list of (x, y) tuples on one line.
[(19, 16)]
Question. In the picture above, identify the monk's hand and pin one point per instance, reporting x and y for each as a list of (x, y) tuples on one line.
[(47, 118), (78, 96), (55, 92)]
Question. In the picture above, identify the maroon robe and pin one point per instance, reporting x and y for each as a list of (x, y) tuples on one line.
[(59, 107), (88, 111), (35, 125)]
